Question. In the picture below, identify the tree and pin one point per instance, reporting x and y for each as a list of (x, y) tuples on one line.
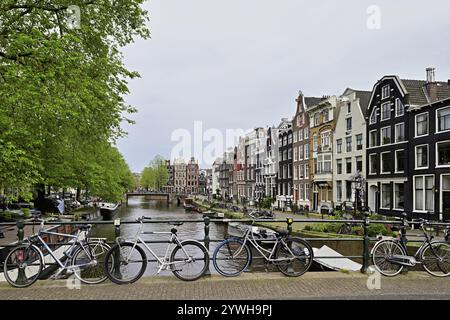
[(155, 175), (61, 93)]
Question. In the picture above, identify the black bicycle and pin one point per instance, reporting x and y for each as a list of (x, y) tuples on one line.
[(390, 255)]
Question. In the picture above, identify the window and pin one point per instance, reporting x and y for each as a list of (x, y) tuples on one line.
[(295, 136), (373, 138), (295, 154), (339, 166), (306, 148), (385, 162), (443, 153), (423, 193), (326, 115), (339, 190), (349, 108), (373, 164), (349, 124), (290, 138), (443, 118), (317, 119), (399, 108), (385, 111), (399, 196), (300, 135), (386, 135), (315, 142), (290, 153), (399, 161), (386, 92), (307, 191), (307, 171), (422, 124), (359, 142), (348, 165), (325, 139), (301, 154), (324, 163), (295, 173), (301, 171), (349, 144), (301, 192), (386, 195), (306, 133), (422, 157), (339, 146), (359, 164), (373, 116), (400, 132), (348, 190)]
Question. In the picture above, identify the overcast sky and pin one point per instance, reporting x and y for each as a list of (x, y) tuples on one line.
[(240, 63)]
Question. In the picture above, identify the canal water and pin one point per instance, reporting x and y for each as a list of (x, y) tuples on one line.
[(160, 210)]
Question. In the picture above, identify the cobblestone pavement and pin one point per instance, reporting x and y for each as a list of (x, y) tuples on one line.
[(331, 285)]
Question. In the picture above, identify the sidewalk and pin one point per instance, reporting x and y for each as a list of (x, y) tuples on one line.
[(331, 285)]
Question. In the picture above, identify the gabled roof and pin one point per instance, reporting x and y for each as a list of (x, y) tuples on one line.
[(311, 101), (364, 97)]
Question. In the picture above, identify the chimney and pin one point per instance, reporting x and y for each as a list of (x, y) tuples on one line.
[(431, 85)]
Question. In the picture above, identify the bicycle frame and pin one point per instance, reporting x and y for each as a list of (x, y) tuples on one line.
[(267, 254), (163, 262)]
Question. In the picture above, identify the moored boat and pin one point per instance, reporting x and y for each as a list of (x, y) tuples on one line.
[(108, 210)]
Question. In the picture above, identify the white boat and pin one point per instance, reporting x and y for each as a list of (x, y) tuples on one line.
[(108, 210)]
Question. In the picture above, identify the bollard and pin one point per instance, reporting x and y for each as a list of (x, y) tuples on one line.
[(366, 253), (117, 272), (206, 240)]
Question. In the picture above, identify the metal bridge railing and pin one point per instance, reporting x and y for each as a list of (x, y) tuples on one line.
[(364, 239)]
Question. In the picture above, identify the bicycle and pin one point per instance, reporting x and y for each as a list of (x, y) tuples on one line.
[(292, 256), (24, 264), (390, 255), (126, 261)]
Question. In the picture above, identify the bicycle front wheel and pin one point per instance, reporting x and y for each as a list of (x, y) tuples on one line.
[(384, 251), (125, 263), (23, 266), (231, 257), (436, 259), (88, 262), (295, 257), (189, 261)]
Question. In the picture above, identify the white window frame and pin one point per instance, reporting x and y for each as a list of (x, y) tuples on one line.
[(381, 113), (337, 166), (393, 194), (381, 136), (386, 88), (381, 163), (370, 163), (397, 102), (374, 142), (381, 195), (428, 157), (295, 137), (306, 151), (424, 192), (372, 114), (441, 191), (337, 148), (437, 120), (396, 162), (415, 125), (395, 132), (437, 155), (306, 133)]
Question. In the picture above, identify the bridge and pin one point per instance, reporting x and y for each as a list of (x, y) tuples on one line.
[(150, 195)]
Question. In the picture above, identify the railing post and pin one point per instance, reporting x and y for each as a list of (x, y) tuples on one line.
[(289, 222), (206, 240), (117, 272), (366, 253), (403, 229), (21, 277)]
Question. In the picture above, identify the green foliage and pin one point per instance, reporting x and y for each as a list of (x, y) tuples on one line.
[(156, 175), (61, 94), (267, 203)]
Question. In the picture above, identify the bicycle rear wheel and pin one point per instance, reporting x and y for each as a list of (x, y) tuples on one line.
[(382, 252), (189, 261), (297, 257), (125, 263), (23, 266), (89, 260), (436, 259), (231, 257)]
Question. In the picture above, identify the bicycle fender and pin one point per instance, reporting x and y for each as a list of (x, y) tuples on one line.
[(41, 254)]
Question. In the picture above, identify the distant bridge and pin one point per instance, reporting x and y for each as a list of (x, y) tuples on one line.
[(150, 195)]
